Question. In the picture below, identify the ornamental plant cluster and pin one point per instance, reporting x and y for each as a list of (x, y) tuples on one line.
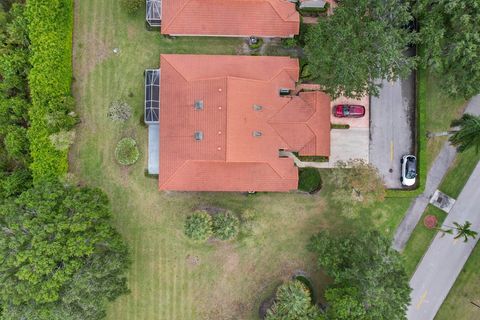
[(50, 30), (127, 152), (200, 226)]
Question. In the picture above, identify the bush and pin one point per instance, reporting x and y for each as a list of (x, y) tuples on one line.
[(16, 143), (119, 111), (293, 301), (198, 226), (309, 180), (62, 140), (127, 152), (132, 6), (225, 226), (50, 33)]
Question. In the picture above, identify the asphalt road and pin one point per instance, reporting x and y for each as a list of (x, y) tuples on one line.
[(392, 130), (443, 261)]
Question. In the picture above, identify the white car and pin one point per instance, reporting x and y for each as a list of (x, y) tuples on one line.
[(409, 170)]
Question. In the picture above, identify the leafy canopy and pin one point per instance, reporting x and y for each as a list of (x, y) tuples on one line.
[(450, 33), (369, 278), (60, 256), (469, 134), (363, 41)]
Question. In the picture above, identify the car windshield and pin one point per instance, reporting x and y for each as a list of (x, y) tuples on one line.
[(410, 169), (346, 110)]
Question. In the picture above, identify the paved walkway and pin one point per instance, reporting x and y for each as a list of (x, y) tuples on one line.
[(445, 258), (434, 178)]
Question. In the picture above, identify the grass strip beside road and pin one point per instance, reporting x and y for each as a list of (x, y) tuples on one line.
[(420, 239)]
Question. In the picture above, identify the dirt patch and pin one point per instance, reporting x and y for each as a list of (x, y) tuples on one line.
[(192, 260)]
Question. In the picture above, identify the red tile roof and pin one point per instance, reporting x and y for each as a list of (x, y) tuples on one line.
[(240, 18), (230, 157)]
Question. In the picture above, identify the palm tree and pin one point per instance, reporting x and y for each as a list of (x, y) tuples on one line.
[(468, 135), (462, 230)]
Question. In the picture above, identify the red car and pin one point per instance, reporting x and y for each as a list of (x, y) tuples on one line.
[(349, 111)]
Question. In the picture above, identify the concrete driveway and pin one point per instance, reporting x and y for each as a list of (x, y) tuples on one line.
[(392, 128), (349, 144), (445, 258)]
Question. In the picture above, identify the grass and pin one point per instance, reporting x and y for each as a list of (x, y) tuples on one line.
[(459, 173), (421, 239), (172, 277), (458, 304), (441, 110), (452, 185)]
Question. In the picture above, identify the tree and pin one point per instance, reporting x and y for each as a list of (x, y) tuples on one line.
[(225, 226), (198, 226), (362, 42), (345, 304), (449, 32), (366, 272), (469, 134), (293, 302), (61, 258), (461, 230)]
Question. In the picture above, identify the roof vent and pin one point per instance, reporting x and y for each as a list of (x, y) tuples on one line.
[(256, 107), (257, 134), (198, 105), (284, 92), (198, 135)]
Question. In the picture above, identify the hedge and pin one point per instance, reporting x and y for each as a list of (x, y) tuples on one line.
[(421, 140), (50, 32)]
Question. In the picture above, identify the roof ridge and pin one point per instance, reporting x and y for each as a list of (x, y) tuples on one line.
[(278, 12), (173, 66), (177, 13)]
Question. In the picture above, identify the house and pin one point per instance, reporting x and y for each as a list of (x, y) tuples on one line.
[(223, 120), (227, 18)]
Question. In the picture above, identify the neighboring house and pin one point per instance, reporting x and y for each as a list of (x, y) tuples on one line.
[(224, 119), (227, 18)]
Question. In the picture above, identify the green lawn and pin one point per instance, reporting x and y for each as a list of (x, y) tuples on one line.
[(452, 185), (459, 173), (171, 277), (458, 304), (441, 110), (421, 239)]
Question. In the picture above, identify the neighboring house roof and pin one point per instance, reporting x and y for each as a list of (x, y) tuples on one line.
[(240, 18), (243, 121)]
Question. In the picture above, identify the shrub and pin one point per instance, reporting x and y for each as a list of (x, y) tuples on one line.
[(119, 111), (198, 226), (293, 301), (309, 180), (127, 152), (132, 6), (50, 33), (225, 226), (16, 142), (62, 140)]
